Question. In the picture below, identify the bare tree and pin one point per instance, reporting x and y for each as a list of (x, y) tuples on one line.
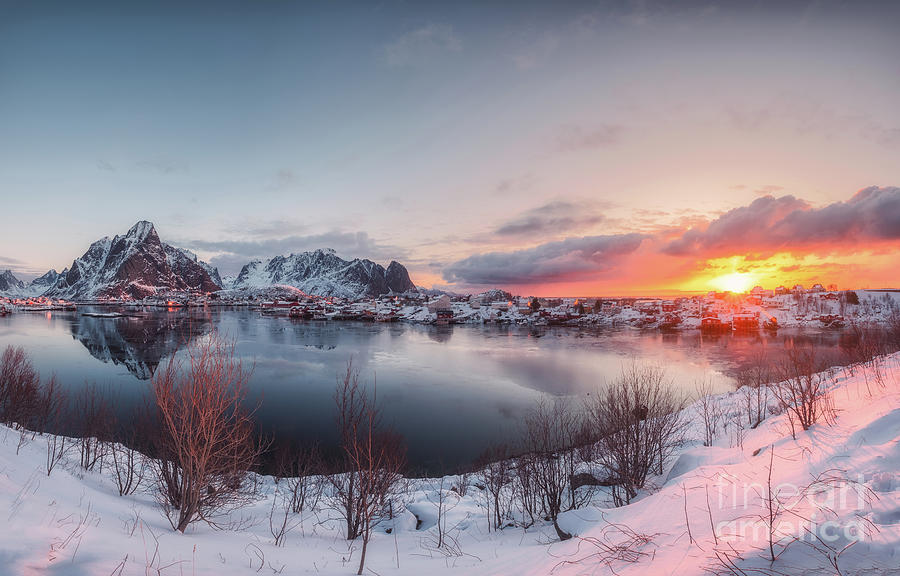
[(525, 488), (280, 521), (550, 431), (494, 471), (207, 441), (711, 411), (51, 404), (753, 384), (19, 388), (298, 467), (92, 419), (802, 392), (639, 426), (443, 500), (372, 461)]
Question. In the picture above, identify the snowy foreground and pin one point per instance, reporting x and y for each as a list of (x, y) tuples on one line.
[(839, 481)]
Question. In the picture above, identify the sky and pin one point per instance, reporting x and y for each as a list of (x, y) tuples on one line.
[(554, 148)]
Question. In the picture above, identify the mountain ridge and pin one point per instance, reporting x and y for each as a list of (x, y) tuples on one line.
[(138, 264)]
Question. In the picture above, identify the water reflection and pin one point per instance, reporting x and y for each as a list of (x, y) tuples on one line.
[(451, 391), (139, 342)]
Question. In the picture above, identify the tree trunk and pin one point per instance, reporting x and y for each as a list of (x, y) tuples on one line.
[(362, 557), (563, 535)]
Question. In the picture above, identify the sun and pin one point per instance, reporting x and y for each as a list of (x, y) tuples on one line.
[(737, 282)]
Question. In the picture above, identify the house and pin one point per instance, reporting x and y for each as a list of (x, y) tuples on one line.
[(442, 303), (798, 289), (745, 321), (817, 288)]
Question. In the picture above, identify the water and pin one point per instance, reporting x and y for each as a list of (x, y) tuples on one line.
[(451, 391)]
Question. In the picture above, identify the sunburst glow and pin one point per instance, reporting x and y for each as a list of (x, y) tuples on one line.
[(738, 282)]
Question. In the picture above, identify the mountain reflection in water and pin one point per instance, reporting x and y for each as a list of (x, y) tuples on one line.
[(138, 342), (450, 391)]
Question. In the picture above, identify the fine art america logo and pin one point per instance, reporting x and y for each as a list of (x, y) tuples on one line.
[(831, 510)]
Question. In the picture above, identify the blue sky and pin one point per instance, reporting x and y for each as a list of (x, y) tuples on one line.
[(430, 133)]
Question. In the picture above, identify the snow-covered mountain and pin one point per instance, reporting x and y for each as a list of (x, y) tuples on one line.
[(135, 265), (323, 273), (9, 284), (43, 283)]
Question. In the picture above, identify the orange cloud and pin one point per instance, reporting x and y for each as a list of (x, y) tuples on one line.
[(769, 242)]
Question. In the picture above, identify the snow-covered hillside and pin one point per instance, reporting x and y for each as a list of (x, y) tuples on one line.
[(134, 265), (323, 273), (838, 486), (9, 284)]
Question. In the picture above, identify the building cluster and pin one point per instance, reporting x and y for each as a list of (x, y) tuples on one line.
[(714, 312)]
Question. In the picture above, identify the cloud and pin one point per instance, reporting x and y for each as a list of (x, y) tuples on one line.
[(572, 138), (573, 257), (268, 228), (554, 217), (281, 180), (519, 184), (422, 46), (883, 135), (773, 224), (164, 165), (768, 189), (105, 166), (7, 262)]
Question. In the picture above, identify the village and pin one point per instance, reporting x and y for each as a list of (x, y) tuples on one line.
[(714, 312)]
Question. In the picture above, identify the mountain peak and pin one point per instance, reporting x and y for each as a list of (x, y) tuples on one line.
[(135, 265), (9, 282), (324, 273), (141, 230)]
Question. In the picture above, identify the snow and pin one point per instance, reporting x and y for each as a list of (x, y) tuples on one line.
[(73, 522), (319, 272)]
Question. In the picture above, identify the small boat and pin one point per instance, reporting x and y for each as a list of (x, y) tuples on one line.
[(771, 324)]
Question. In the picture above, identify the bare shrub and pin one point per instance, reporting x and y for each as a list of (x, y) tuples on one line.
[(711, 411), (19, 388), (53, 407), (639, 426), (128, 467), (207, 442), (299, 467), (550, 431), (802, 392), (364, 490), (443, 500), (893, 330), (525, 489), (614, 545), (494, 471), (280, 521), (753, 385), (92, 419), (860, 343), (57, 447)]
